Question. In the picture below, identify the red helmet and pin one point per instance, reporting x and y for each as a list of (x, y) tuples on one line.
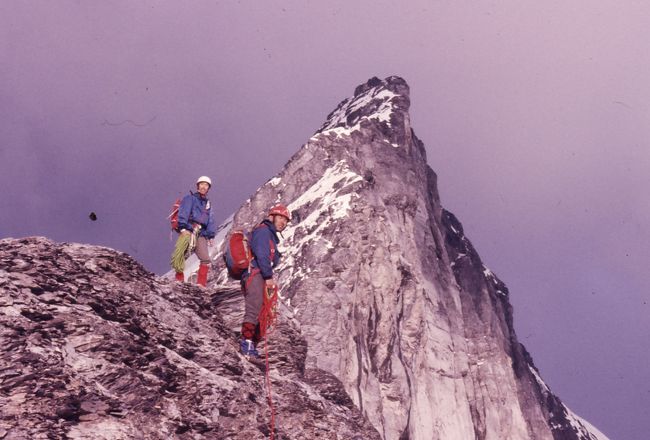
[(281, 210)]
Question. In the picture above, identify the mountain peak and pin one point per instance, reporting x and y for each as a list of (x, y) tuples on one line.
[(395, 84), (383, 102), (388, 291)]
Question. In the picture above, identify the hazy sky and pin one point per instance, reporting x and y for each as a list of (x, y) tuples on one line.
[(535, 116)]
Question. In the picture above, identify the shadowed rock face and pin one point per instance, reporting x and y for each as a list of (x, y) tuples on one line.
[(389, 293), (94, 347)]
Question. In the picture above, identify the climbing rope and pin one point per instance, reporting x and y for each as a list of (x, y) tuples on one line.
[(267, 319), (184, 247), (269, 310), (178, 257)]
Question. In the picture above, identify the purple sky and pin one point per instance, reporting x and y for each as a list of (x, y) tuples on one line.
[(536, 118)]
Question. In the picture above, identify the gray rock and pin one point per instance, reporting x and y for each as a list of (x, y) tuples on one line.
[(388, 292), (136, 357), (390, 325)]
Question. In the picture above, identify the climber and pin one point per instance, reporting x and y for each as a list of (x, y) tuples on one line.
[(258, 279), (197, 230)]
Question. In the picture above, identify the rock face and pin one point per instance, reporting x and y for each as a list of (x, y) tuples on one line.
[(94, 347), (390, 295), (390, 325)]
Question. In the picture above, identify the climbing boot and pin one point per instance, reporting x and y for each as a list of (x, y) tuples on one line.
[(202, 276), (248, 348), (180, 277)]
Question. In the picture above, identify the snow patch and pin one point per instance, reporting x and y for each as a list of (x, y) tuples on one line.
[(584, 429), (539, 380), (337, 131), (492, 277), (337, 123), (326, 205)]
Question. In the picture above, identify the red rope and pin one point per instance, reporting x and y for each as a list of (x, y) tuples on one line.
[(268, 385), (268, 313), (267, 319)]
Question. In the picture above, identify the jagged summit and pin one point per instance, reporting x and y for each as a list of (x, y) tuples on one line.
[(389, 293), (379, 101)]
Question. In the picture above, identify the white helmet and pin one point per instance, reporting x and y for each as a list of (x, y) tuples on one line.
[(205, 179)]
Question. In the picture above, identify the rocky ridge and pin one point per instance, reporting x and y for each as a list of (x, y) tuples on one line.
[(95, 347)]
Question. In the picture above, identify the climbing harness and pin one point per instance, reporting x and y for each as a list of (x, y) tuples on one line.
[(193, 239)]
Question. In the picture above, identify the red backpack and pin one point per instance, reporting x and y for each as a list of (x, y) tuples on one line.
[(238, 254), (173, 217)]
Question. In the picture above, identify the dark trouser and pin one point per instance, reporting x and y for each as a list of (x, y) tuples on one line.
[(253, 290)]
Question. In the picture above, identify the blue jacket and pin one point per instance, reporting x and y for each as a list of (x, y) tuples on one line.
[(195, 209), (264, 244)]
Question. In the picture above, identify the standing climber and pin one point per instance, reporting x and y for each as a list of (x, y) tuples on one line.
[(197, 230), (258, 281)]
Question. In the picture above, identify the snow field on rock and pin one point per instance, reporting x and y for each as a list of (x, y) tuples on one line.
[(337, 124), (323, 198), (580, 425)]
